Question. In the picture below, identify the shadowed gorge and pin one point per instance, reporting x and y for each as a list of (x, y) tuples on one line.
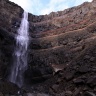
[(61, 51)]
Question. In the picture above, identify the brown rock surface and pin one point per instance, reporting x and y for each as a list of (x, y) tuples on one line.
[(65, 39)]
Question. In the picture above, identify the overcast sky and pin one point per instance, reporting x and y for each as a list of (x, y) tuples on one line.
[(41, 7)]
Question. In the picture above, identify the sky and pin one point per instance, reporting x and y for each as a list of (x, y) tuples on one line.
[(42, 7)]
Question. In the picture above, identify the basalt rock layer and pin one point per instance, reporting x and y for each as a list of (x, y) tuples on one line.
[(63, 40)]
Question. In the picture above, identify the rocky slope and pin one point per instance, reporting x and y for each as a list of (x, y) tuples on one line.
[(63, 41)]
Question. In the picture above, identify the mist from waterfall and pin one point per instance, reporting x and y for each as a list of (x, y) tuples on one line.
[(20, 53)]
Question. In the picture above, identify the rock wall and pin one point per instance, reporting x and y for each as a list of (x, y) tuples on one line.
[(55, 37), (8, 17), (56, 40)]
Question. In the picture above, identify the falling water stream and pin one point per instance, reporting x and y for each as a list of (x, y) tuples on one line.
[(20, 53)]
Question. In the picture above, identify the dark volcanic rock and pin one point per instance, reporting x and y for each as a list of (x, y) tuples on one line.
[(66, 38), (91, 81), (8, 88), (37, 74), (89, 94), (78, 81), (69, 75), (83, 69)]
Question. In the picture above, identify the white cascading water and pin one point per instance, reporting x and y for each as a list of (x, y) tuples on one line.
[(20, 60)]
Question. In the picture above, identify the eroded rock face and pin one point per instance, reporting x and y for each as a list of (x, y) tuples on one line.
[(10, 19), (8, 16), (64, 41)]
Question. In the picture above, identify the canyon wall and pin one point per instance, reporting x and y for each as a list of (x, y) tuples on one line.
[(63, 39)]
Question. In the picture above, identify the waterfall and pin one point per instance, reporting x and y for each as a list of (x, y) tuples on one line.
[(20, 53)]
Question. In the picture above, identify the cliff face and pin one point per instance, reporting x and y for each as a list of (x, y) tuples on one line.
[(60, 40), (8, 16), (60, 37)]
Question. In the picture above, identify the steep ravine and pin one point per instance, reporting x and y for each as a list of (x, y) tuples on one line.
[(63, 40)]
